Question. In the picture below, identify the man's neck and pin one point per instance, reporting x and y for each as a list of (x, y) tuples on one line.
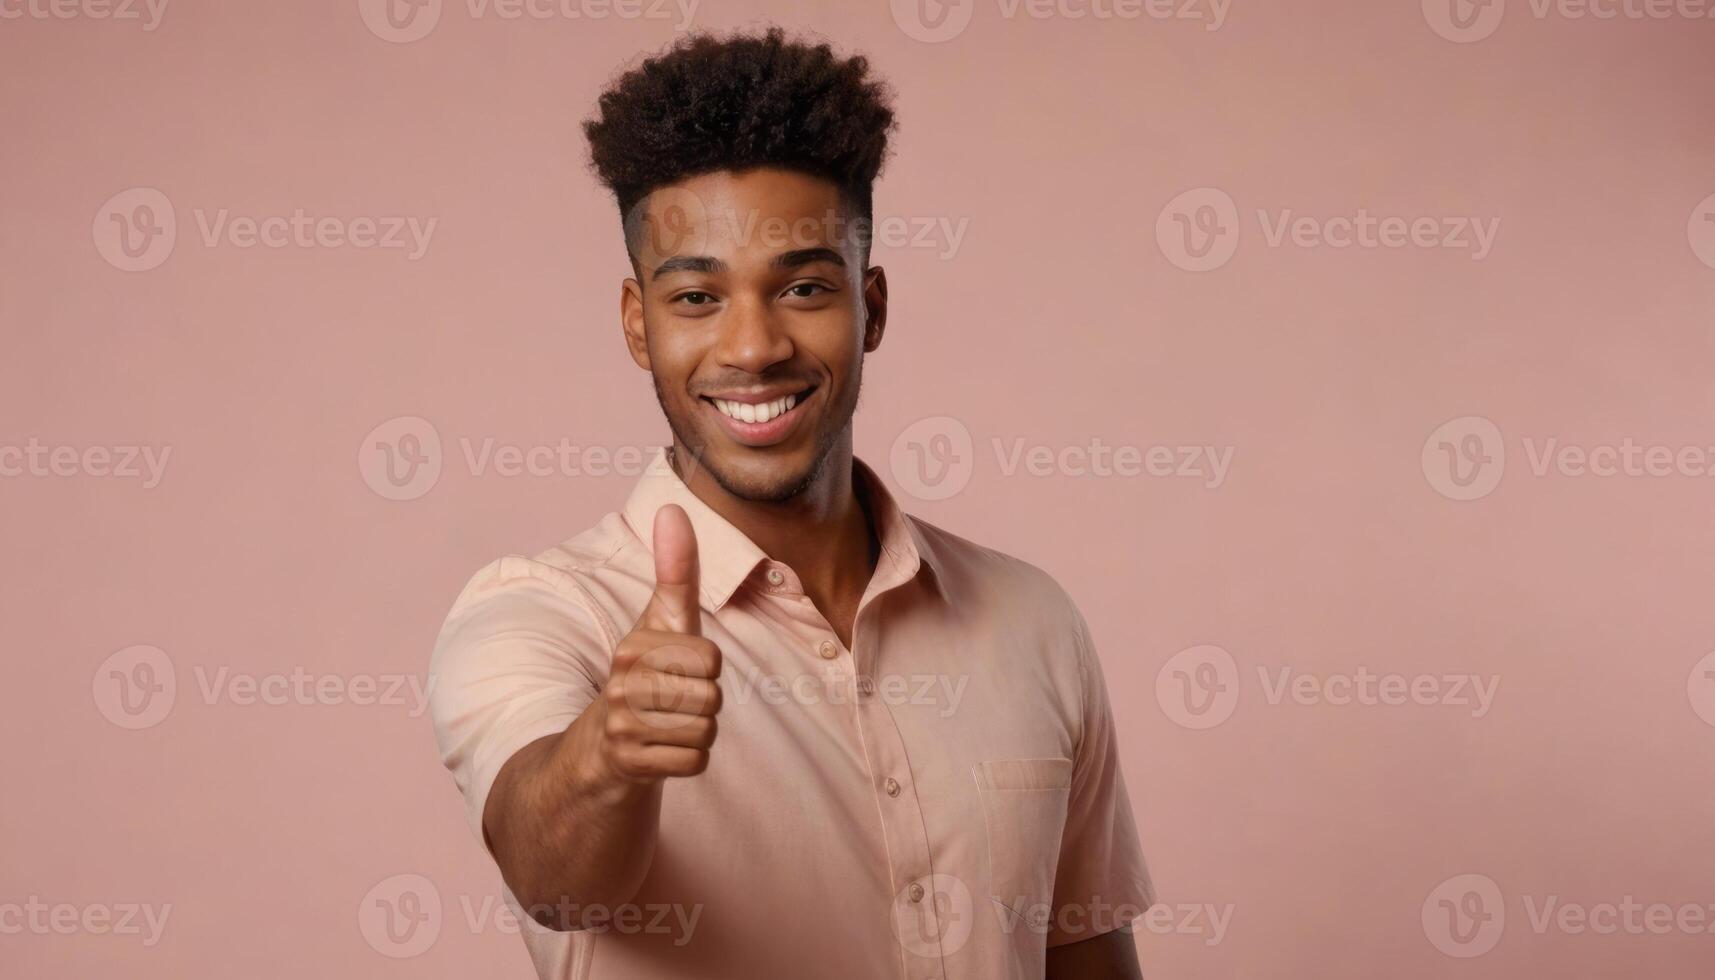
[(824, 533)]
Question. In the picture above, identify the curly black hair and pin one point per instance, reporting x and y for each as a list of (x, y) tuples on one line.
[(735, 103)]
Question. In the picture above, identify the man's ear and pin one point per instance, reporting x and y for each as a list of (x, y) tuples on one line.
[(875, 303), (631, 319)]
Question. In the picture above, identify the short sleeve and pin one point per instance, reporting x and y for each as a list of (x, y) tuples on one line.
[(522, 653), (1103, 882)]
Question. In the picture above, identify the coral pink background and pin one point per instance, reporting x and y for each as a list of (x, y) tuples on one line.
[(1061, 317)]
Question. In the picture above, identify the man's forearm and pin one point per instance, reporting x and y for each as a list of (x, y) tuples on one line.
[(567, 832)]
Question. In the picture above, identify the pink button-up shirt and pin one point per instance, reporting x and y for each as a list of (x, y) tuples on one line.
[(941, 799)]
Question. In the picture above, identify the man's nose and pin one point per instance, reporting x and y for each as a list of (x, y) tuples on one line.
[(753, 338)]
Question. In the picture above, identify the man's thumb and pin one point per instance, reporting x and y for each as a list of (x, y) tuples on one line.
[(675, 605)]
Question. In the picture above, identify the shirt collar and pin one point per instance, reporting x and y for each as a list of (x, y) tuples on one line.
[(727, 557)]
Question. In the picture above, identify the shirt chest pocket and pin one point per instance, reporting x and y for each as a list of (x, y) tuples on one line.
[(1024, 808)]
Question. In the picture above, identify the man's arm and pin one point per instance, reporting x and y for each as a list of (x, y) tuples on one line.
[(1110, 956), (572, 818), (564, 830)]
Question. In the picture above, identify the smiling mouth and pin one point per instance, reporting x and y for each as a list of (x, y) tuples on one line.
[(760, 411), (760, 423)]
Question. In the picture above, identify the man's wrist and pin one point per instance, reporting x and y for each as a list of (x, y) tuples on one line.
[(584, 764)]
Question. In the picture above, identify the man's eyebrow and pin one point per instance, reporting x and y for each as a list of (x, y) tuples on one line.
[(688, 263), (710, 265), (805, 256)]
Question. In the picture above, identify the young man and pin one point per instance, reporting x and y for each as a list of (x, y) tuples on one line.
[(915, 771)]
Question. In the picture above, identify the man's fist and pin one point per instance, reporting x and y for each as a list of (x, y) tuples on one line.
[(661, 697)]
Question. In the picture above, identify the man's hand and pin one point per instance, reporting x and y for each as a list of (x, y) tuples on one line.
[(661, 697)]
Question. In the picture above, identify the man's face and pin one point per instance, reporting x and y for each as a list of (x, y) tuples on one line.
[(752, 312)]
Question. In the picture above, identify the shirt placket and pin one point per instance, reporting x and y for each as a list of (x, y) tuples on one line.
[(921, 915), (923, 911)]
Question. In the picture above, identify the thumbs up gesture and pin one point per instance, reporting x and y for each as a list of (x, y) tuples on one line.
[(661, 697)]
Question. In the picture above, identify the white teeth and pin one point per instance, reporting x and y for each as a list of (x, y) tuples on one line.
[(764, 412)]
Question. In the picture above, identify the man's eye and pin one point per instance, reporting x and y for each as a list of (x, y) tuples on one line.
[(694, 299), (805, 290)]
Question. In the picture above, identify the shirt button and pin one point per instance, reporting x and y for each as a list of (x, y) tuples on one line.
[(828, 651), (866, 687), (776, 576), (916, 891), (892, 786)]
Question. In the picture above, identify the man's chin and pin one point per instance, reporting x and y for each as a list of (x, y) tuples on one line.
[(757, 476)]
